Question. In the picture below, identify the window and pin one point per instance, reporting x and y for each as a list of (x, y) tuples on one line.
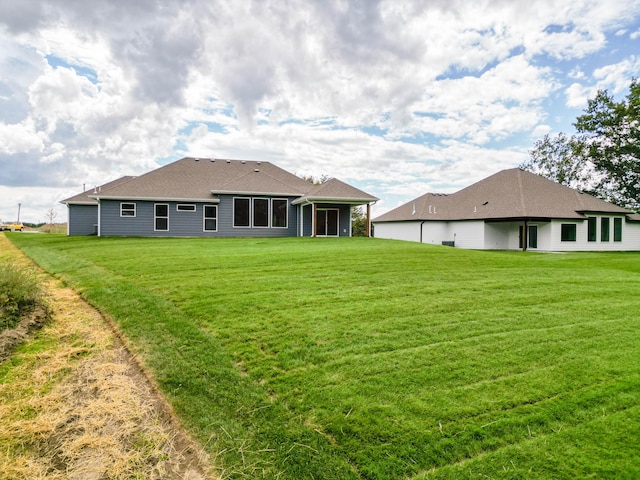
[(241, 217), (210, 218), (260, 212), (279, 213), (617, 229), (127, 209), (568, 232), (186, 207), (533, 236), (161, 217), (604, 229), (592, 224)]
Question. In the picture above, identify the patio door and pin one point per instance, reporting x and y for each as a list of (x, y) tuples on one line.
[(327, 221)]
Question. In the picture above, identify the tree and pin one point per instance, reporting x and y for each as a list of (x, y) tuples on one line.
[(359, 223), (51, 216), (603, 157)]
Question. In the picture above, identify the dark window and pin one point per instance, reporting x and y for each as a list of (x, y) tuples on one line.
[(260, 212), (186, 207), (279, 213), (617, 229), (241, 215), (604, 229), (592, 225), (161, 217), (210, 218), (127, 209), (533, 236), (568, 232)]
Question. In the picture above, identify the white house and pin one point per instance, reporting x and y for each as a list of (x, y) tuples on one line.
[(512, 210)]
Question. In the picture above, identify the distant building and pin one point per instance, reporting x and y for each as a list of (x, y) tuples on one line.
[(510, 210)]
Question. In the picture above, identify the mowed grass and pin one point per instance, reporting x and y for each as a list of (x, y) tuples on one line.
[(373, 359)]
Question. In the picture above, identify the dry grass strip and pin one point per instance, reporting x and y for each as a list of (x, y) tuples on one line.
[(74, 404)]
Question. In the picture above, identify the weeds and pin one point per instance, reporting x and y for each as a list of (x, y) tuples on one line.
[(19, 291)]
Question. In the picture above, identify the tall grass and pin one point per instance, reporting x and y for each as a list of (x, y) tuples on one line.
[(19, 291), (364, 358)]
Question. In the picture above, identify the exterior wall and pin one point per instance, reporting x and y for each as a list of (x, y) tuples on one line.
[(506, 235), (468, 234), (186, 224), (83, 220), (630, 236), (409, 231)]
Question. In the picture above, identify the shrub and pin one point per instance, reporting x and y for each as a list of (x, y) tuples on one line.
[(19, 290)]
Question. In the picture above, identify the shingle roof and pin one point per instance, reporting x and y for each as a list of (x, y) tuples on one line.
[(512, 193), (335, 190), (201, 179), (84, 197)]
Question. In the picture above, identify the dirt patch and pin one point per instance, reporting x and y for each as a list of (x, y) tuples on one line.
[(75, 404)]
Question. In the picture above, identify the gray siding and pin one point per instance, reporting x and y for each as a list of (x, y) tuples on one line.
[(83, 219), (344, 218), (186, 224)]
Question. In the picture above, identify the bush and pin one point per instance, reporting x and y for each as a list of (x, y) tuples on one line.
[(19, 291)]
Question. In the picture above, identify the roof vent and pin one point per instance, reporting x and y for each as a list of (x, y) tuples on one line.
[(228, 161), (258, 163), (244, 162), (485, 203), (197, 159), (256, 169), (213, 160)]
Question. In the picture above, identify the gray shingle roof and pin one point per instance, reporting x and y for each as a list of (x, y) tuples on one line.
[(512, 193), (201, 179), (84, 197)]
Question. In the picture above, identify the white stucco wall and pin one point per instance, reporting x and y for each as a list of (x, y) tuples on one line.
[(409, 231)]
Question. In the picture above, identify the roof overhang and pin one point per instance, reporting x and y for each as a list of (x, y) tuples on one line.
[(155, 199), (345, 201), (263, 194)]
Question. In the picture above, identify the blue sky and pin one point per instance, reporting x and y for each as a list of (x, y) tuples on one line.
[(398, 98)]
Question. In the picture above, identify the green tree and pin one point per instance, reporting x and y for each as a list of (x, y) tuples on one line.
[(358, 223), (603, 157)]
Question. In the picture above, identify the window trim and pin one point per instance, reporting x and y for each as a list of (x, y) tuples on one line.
[(617, 232), (249, 202), (253, 212), (592, 229), (286, 213), (122, 209), (573, 237), (180, 207), (156, 217), (605, 233), (205, 218)]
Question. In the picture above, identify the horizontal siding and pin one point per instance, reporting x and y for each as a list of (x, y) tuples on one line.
[(185, 224), (409, 231), (630, 237), (83, 219)]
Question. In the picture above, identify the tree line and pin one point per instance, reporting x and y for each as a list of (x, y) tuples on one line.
[(603, 157)]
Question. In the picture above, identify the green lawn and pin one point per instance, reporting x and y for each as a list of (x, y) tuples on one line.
[(373, 359)]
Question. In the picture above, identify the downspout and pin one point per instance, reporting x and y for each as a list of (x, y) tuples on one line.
[(525, 235), (99, 218), (421, 224), (313, 219)]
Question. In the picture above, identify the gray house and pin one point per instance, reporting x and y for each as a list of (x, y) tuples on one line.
[(513, 210), (205, 197)]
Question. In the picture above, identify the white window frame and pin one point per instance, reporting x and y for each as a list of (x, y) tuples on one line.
[(155, 217), (122, 209), (286, 213), (253, 210), (233, 219), (205, 218), (186, 207)]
